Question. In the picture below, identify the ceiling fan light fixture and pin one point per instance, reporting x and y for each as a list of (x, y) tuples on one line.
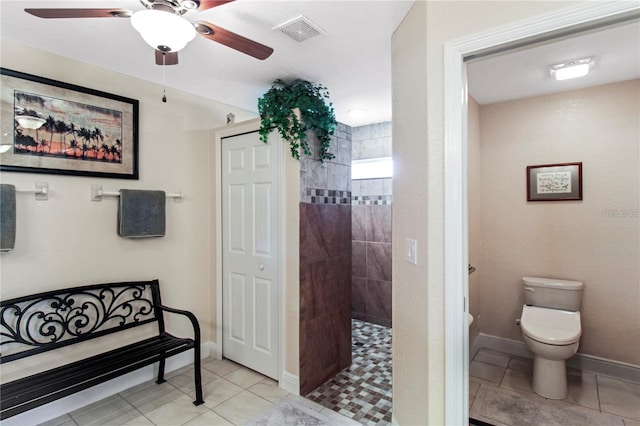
[(190, 4), (163, 30)]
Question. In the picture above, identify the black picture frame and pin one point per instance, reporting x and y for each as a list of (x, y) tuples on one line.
[(84, 132), (554, 182)]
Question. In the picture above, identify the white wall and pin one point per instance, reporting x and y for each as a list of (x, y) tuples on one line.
[(70, 240), (577, 240)]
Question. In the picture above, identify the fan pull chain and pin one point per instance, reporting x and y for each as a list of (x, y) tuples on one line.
[(164, 78)]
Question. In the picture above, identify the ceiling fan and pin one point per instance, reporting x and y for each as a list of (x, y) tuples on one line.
[(163, 27)]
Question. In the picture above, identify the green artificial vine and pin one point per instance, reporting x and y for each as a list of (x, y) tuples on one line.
[(276, 108)]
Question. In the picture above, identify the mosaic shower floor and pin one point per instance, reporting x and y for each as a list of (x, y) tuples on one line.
[(362, 392)]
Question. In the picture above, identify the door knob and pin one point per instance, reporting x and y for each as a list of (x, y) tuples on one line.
[(261, 267)]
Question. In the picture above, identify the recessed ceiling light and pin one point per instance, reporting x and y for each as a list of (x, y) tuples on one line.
[(571, 69), (357, 113)]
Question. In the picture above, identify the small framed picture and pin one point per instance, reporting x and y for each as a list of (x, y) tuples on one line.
[(554, 182)]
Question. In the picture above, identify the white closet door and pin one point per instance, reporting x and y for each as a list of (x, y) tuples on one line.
[(250, 238)]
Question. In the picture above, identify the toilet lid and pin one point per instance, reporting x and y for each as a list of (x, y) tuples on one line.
[(551, 326)]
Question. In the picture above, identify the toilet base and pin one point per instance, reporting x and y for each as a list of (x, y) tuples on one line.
[(550, 378)]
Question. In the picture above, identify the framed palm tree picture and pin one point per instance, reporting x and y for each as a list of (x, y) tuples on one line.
[(48, 126)]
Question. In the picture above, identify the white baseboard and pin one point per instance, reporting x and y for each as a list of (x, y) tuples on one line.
[(394, 421), (500, 344), (290, 383), (209, 349), (605, 367), (583, 362), (96, 393)]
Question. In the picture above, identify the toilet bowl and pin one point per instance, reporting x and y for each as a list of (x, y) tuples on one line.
[(553, 336), (551, 329)]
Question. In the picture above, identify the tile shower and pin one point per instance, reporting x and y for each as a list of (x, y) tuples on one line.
[(371, 230), (345, 273)]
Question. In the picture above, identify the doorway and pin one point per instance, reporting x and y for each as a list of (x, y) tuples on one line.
[(456, 233), (517, 237)]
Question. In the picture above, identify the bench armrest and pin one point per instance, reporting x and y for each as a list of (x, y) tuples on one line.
[(192, 318)]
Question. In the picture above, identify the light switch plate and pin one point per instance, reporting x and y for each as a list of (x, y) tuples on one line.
[(411, 248)]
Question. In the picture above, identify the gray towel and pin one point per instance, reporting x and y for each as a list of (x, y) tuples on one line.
[(7, 217), (141, 213)]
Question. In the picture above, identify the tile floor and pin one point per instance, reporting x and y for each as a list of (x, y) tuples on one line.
[(233, 395), (599, 393), (362, 392)]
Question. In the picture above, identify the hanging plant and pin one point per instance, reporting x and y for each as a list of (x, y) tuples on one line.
[(276, 108)]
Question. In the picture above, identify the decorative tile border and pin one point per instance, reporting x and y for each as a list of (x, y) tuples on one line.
[(360, 200), (326, 196)]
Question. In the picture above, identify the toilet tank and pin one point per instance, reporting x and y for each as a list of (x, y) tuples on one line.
[(552, 293)]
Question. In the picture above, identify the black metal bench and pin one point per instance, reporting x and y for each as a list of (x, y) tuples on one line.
[(43, 322)]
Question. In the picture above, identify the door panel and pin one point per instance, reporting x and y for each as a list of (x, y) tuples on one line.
[(262, 241), (250, 263), (236, 228), (262, 302)]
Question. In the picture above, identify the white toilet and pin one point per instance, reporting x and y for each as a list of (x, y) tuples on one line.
[(550, 324)]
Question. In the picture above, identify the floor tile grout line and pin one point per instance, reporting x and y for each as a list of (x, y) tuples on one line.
[(598, 394), (135, 408)]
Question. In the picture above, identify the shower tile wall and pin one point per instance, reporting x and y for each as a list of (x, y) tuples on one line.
[(371, 230), (325, 263)]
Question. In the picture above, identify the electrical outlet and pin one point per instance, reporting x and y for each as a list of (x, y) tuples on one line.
[(411, 248)]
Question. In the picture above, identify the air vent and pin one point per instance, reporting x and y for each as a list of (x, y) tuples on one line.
[(300, 29)]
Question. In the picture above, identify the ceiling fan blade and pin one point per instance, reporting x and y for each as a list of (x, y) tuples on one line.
[(166, 58), (79, 13), (233, 40), (208, 4)]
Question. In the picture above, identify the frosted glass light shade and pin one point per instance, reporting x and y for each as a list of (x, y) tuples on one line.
[(163, 30)]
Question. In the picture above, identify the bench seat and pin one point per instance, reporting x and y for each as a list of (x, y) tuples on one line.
[(35, 390)]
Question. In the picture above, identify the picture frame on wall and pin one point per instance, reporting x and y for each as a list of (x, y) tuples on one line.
[(48, 126), (554, 182)]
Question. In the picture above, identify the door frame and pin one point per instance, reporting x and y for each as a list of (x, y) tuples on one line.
[(249, 126), (455, 174)]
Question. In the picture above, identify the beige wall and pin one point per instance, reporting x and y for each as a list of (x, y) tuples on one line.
[(474, 200), (411, 356), (70, 240), (418, 152), (576, 240)]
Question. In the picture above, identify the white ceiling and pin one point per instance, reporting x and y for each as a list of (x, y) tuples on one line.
[(353, 58), (524, 73)]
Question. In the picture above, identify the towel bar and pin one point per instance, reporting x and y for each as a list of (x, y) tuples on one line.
[(41, 191), (97, 193)]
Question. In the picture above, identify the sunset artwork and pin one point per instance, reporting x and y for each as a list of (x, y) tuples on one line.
[(69, 129), (54, 127)]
